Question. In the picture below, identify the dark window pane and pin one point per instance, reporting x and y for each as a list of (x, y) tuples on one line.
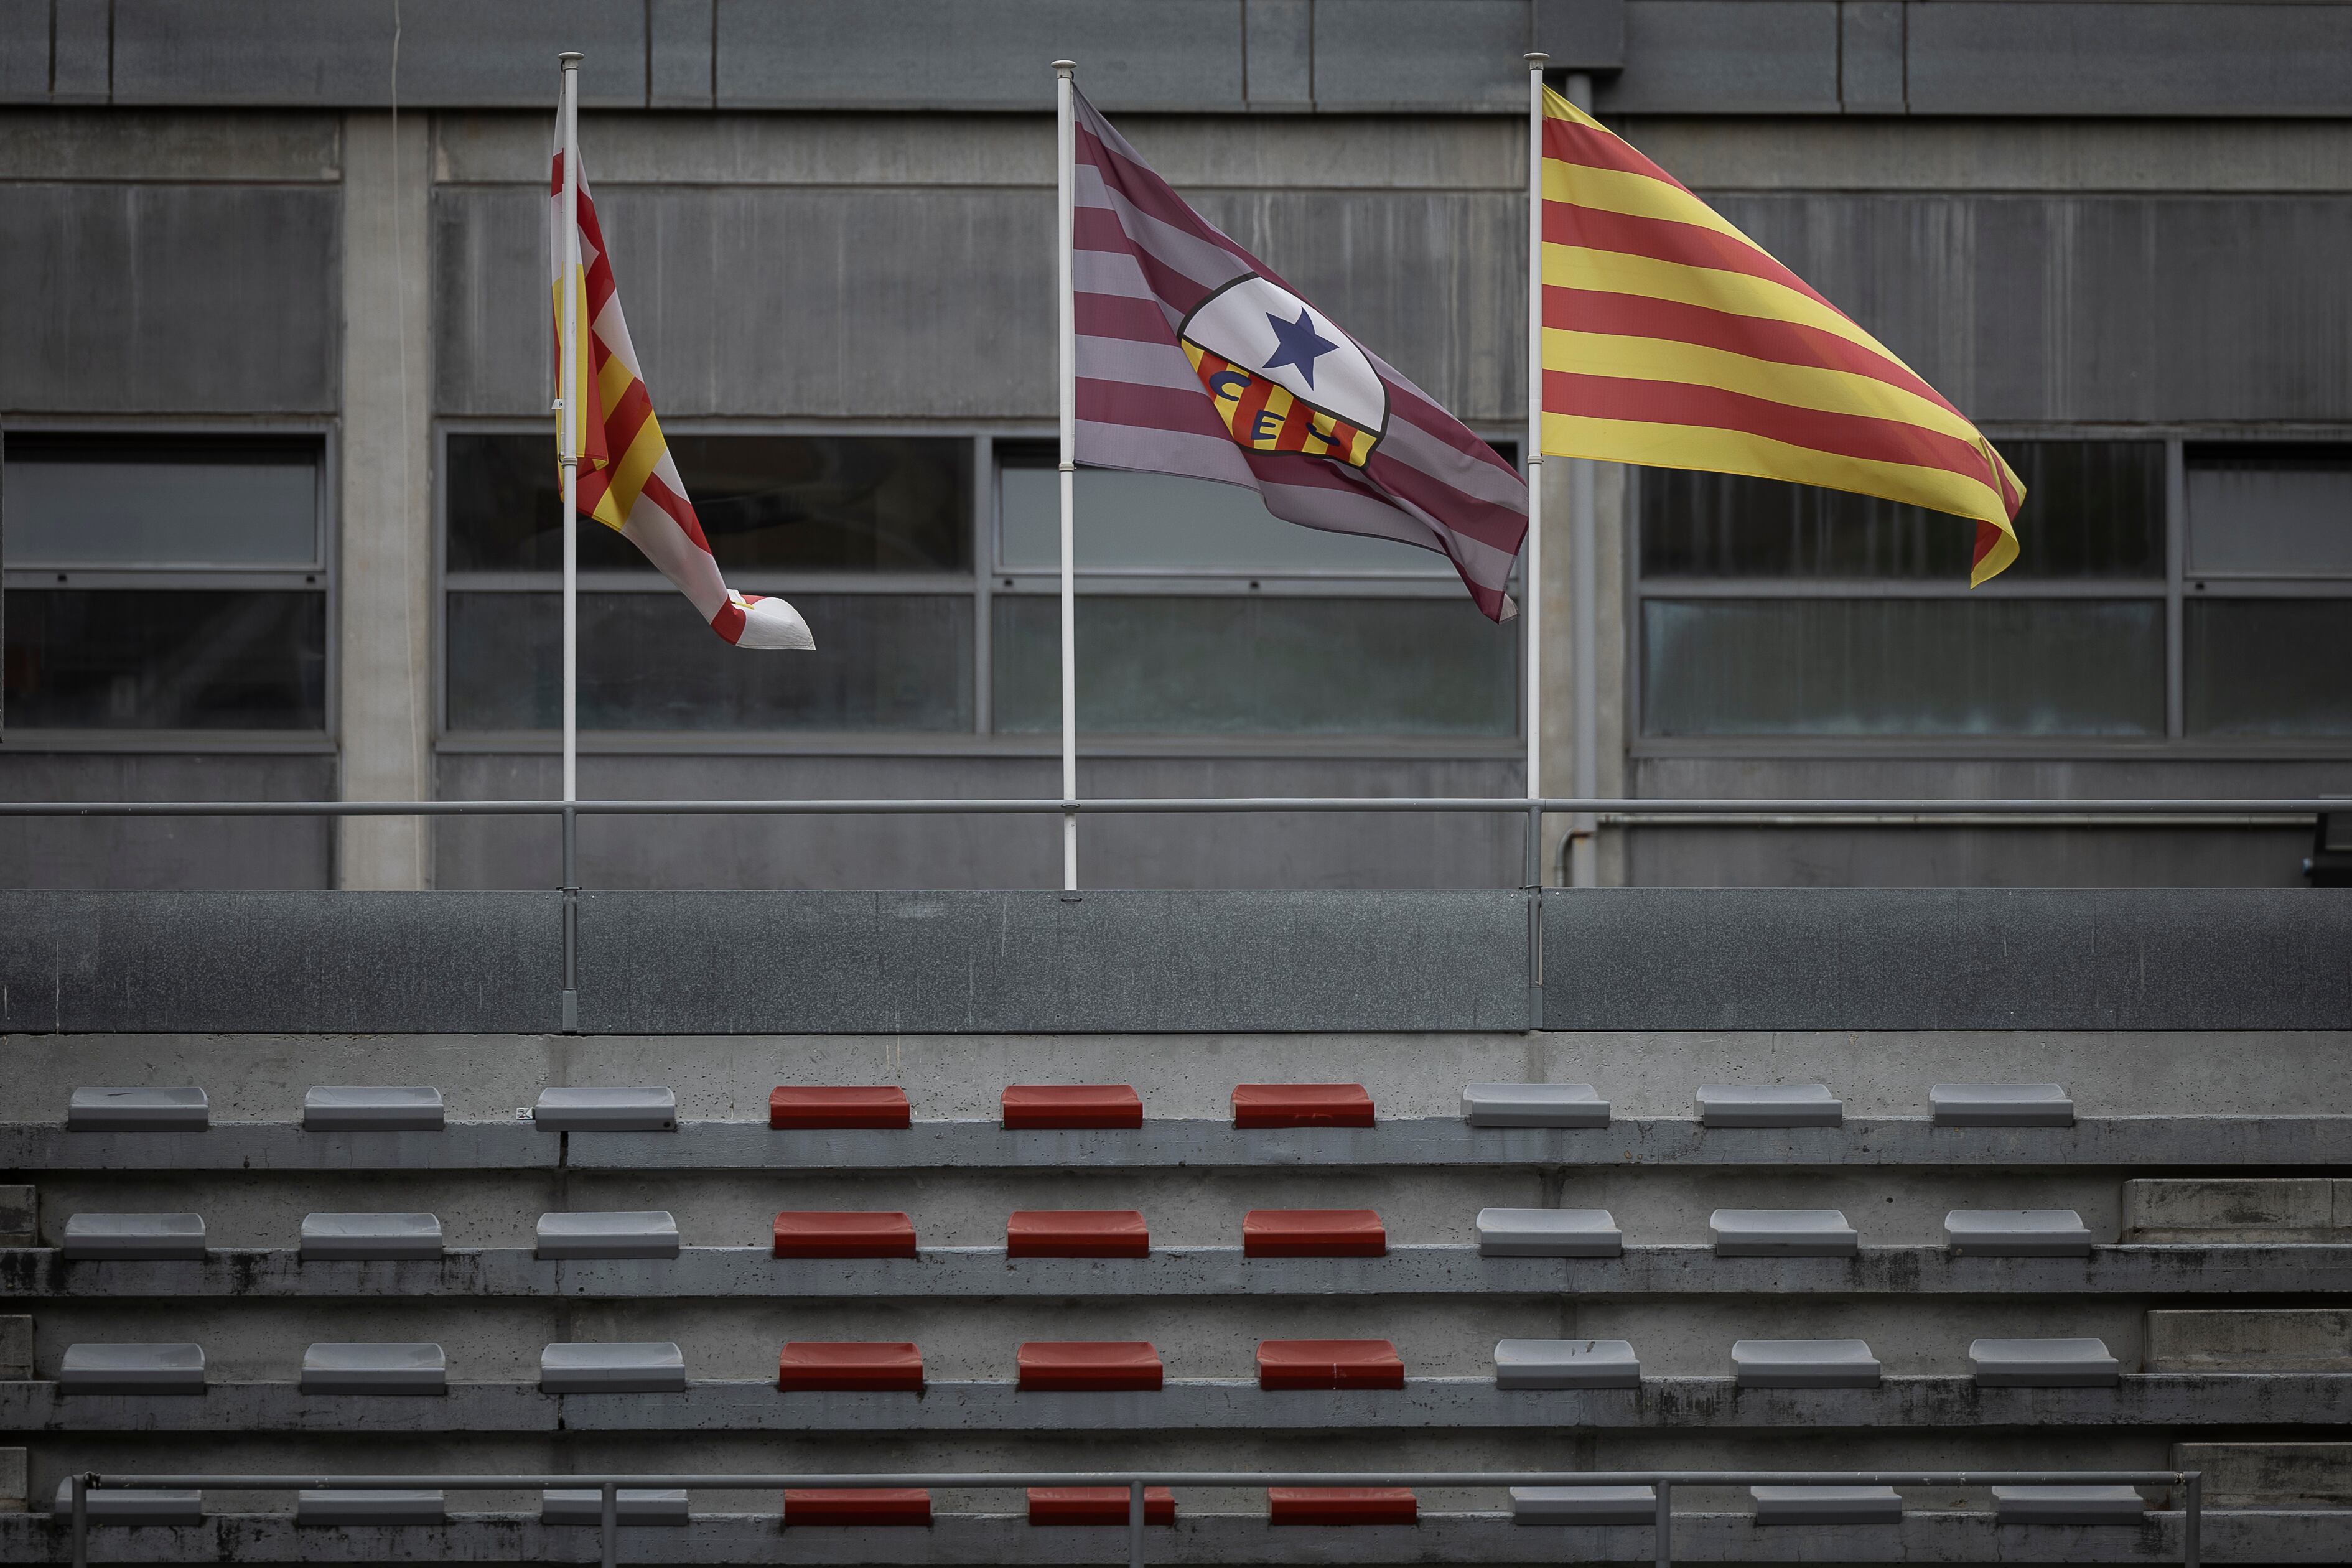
[(1149, 666), (2270, 509), (882, 662), (1159, 522), (160, 501), (2092, 509), (782, 503), (1903, 667), (178, 659), (2268, 666)]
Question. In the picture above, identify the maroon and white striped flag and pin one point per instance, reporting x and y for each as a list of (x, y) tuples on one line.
[(1195, 359)]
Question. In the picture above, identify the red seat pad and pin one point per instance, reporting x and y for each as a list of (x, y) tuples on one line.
[(808, 1106), (1098, 1505), (1341, 1505), (1301, 1105), (1091, 1366), (878, 1505), (1034, 1105), (880, 1367), (1077, 1233), (1313, 1232), (815, 1233), (1328, 1363)]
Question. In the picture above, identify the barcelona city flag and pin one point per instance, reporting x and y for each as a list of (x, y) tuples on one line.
[(1672, 339), (627, 482), (1195, 359)]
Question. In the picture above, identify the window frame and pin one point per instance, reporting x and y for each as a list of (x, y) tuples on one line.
[(986, 580), (322, 576), (2175, 590)]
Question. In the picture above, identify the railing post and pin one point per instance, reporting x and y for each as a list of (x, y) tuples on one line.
[(82, 1521), (1665, 1526), (1135, 1524), (2193, 1526), (571, 920), (611, 1523), (1534, 886)]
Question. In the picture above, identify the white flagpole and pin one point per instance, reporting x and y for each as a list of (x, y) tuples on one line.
[(1065, 307), (1531, 585), (567, 423)]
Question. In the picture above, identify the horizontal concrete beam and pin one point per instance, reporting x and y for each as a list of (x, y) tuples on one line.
[(2292, 1339), (1140, 962), (983, 1273), (2279, 1537), (2207, 1208), (1443, 1403), (2271, 1475), (2117, 1142), (2048, 57)]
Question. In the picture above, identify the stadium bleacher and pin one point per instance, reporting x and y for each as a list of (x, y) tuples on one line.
[(2027, 1299)]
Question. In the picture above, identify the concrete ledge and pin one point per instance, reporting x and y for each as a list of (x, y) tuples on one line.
[(2285, 1536), (2258, 1339), (1205, 1405), (983, 1272), (296, 962), (2124, 1142), (1228, 962), (2226, 1208), (2271, 1475), (1965, 958)]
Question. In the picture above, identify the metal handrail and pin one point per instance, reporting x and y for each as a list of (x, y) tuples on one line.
[(2124, 810), (2190, 1482)]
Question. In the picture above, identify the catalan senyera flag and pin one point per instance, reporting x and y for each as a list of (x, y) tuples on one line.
[(1195, 359), (1672, 339), (627, 482)]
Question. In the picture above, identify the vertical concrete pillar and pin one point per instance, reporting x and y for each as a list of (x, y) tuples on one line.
[(386, 561), (1607, 493)]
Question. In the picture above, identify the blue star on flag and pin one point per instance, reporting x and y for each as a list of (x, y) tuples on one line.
[(1301, 344)]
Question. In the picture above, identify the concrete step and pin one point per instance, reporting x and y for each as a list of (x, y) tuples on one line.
[(2270, 1537), (701, 1272), (1203, 1404)]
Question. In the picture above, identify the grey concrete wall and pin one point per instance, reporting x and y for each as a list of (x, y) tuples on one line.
[(1800, 57), (165, 852), (1273, 850), (1184, 963)]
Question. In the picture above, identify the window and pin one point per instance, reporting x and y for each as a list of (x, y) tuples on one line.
[(868, 535), (1775, 610), (1200, 612), (2268, 626), (164, 583)]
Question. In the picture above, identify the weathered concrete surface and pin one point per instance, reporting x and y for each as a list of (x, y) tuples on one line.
[(385, 616), (12, 1480), (258, 1073), (19, 1216), (2269, 1339), (2214, 1208), (1199, 1537), (15, 1346), (2271, 1475)]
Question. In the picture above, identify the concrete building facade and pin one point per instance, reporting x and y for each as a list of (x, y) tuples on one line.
[(289, 257)]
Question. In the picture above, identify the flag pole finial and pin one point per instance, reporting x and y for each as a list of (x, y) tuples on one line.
[(1065, 68), (569, 60), (1537, 59)]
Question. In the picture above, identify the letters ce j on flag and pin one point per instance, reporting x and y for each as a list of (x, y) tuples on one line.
[(1672, 339), (1195, 359), (627, 482)]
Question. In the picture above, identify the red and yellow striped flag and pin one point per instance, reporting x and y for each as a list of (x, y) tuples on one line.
[(627, 482), (1672, 339)]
